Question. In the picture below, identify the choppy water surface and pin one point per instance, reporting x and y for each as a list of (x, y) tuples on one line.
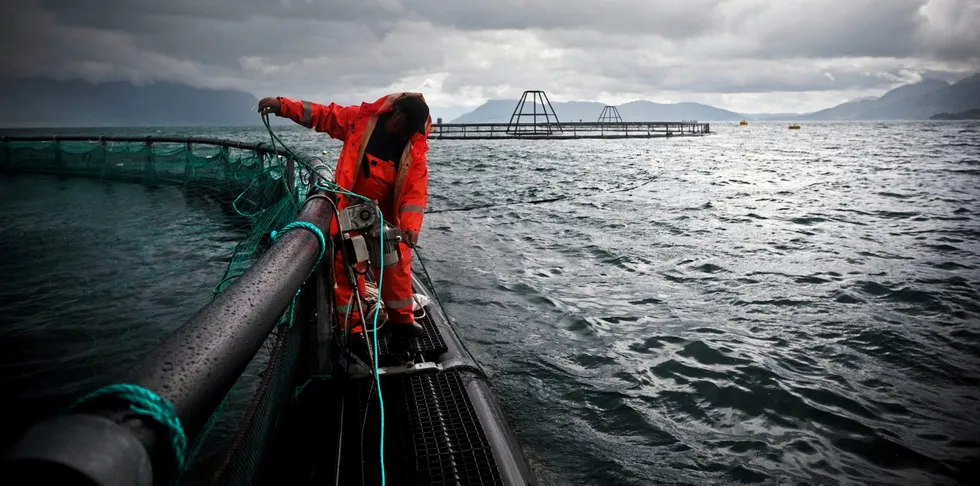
[(92, 274), (773, 307)]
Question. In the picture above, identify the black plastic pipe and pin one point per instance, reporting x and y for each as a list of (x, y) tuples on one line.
[(193, 369)]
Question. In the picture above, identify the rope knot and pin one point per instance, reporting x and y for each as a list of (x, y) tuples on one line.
[(145, 404)]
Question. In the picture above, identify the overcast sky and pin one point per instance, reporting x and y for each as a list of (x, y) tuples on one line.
[(743, 55)]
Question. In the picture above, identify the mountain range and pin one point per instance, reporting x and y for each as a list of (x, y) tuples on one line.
[(500, 111), (973, 114), (40, 102), (37, 102), (916, 101)]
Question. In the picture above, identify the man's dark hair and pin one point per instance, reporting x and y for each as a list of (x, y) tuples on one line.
[(415, 110)]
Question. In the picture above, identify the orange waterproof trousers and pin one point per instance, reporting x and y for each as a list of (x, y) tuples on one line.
[(396, 290), (396, 280)]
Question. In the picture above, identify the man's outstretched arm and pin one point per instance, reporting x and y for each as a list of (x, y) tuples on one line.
[(333, 119)]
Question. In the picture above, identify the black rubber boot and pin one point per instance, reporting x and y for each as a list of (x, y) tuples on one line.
[(405, 330)]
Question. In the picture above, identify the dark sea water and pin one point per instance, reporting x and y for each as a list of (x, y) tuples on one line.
[(772, 307)]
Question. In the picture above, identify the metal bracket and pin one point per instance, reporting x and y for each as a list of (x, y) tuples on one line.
[(422, 367)]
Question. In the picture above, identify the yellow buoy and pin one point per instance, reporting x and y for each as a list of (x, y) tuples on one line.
[(794, 127), (743, 123)]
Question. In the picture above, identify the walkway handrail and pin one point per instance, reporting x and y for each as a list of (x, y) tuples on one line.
[(571, 124), (193, 369)]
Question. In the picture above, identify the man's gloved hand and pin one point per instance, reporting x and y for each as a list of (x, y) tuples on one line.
[(411, 238), (270, 105)]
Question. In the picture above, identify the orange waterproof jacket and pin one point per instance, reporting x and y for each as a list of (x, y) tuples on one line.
[(353, 125)]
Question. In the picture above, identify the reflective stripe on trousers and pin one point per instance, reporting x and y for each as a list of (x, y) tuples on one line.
[(396, 287)]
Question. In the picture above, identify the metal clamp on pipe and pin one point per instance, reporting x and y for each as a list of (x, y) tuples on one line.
[(112, 441), (361, 233)]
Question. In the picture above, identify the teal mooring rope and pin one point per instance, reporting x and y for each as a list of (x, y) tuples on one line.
[(377, 310), (144, 403), (323, 248)]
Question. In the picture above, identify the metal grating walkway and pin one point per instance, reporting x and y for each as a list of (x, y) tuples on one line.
[(431, 344), (433, 435), (450, 446)]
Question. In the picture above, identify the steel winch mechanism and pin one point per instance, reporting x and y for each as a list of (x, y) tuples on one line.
[(360, 232)]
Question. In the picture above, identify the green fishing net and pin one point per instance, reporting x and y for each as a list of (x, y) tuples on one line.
[(253, 184), (255, 187)]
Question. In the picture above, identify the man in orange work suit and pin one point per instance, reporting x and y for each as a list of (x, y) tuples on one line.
[(383, 158)]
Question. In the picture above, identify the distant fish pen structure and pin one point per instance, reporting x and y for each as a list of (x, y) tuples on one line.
[(610, 114), (516, 128), (542, 123)]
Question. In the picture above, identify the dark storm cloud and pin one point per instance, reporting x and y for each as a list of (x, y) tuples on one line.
[(808, 28), (220, 31), (202, 44), (473, 49), (952, 30), (114, 12), (669, 19), (828, 29)]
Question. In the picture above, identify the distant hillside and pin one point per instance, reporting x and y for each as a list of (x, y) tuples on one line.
[(850, 110), (500, 111), (918, 101), (773, 116), (31, 103), (961, 96), (963, 115), (650, 111)]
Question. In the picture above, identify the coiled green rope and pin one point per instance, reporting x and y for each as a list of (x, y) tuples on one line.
[(323, 248), (146, 404)]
